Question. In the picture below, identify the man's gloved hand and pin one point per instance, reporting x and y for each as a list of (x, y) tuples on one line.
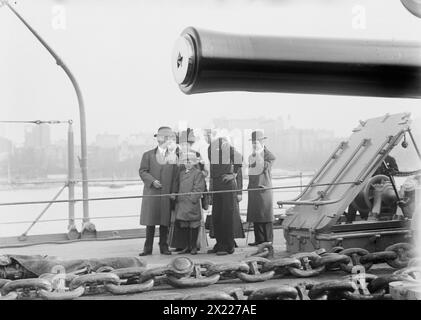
[(228, 177), (156, 184), (239, 197)]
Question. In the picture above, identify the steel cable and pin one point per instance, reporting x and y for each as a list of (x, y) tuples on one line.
[(174, 194)]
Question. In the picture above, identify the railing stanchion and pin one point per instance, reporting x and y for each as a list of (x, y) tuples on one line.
[(72, 232)]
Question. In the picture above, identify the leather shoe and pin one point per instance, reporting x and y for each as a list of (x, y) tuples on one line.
[(253, 244), (210, 251), (166, 252), (145, 253)]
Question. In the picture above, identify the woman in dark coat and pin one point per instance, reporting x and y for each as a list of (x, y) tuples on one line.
[(238, 224), (225, 166), (260, 203)]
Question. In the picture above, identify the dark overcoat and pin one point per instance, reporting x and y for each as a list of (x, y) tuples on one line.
[(237, 223), (189, 207), (178, 236), (224, 159), (260, 203), (156, 210)]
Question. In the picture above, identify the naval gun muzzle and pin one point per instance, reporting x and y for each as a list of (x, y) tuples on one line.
[(208, 61)]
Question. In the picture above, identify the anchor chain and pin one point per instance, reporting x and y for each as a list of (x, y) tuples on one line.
[(182, 272)]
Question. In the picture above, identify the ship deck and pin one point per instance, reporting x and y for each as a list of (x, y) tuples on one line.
[(132, 247)]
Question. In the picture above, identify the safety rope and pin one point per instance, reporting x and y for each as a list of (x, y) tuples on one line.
[(123, 180), (177, 194), (242, 212), (261, 266), (67, 219)]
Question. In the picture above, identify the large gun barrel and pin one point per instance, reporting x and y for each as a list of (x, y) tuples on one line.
[(207, 61)]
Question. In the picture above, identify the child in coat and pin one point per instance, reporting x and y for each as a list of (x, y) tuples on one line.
[(188, 207)]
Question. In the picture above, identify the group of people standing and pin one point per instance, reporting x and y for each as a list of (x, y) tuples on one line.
[(176, 192)]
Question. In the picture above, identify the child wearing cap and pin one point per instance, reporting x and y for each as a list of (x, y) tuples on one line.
[(188, 206)]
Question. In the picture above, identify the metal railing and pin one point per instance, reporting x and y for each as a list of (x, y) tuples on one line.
[(137, 180), (72, 219)]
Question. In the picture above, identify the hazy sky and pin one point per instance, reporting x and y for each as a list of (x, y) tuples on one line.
[(120, 52)]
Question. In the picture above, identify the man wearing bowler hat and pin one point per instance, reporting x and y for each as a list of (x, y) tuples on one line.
[(157, 175), (260, 203)]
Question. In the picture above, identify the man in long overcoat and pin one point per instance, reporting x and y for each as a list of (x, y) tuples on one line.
[(157, 175), (225, 166), (260, 203)]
